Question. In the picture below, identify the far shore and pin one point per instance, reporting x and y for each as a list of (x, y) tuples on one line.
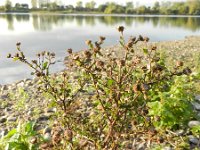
[(95, 14)]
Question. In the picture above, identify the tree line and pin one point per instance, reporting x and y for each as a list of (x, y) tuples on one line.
[(189, 7)]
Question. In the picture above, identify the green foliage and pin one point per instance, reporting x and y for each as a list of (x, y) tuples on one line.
[(168, 105), (23, 138)]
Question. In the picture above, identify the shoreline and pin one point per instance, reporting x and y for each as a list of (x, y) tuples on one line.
[(180, 46), (97, 14)]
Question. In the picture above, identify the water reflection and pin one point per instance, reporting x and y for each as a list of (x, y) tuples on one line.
[(47, 22), (56, 33)]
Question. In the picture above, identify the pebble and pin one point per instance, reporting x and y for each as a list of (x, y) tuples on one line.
[(196, 105), (11, 119), (197, 97), (193, 123), (47, 130), (3, 119), (47, 136), (43, 118), (51, 110), (193, 139)]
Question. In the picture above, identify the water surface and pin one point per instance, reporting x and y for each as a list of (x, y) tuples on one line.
[(56, 33)]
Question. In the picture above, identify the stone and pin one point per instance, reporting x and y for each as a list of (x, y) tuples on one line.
[(11, 119), (180, 132), (43, 118), (3, 119), (47, 130), (193, 140), (141, 146), (193, 123), (4, 96), (197, 97), (196, 106), (47, 136), (51, 110), (3, 132), (4, 87)]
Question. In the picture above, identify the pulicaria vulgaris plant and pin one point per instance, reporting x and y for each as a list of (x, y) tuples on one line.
[(133, 93)]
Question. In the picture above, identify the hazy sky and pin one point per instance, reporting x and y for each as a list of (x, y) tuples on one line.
[(73, 2)]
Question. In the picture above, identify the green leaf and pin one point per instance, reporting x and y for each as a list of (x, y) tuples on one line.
[(110, 82), (15, 58), (45, 65), (145, 50)]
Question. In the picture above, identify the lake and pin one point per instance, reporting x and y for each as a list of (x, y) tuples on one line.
[(57, 33)]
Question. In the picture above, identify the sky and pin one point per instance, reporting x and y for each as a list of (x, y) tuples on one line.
[(73, 2)]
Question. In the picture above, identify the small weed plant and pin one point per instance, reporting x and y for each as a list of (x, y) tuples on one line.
[(134, 95)]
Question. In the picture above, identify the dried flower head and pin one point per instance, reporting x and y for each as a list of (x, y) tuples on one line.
[(102, 38), (88, 42), (146, 39), (87, 54), (9, 55), (18, 43), (136, 87), (100, 64), (69, 51), (120, 29), (121, 62), (153, 48), (140, 38), (179, 63)]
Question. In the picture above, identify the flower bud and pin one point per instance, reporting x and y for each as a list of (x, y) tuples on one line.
[(88, 42), (87, 54), (100, 64), (102, 38), (120, 29), (9, 55), (179, 63), (69, 51)]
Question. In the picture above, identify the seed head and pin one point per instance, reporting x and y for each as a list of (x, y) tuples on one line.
[(153, 48), (129, 44), (120, 29), (87, 54), (146, 39), (132, 39), (18, 44), (179, 63), (100, 64), (102, 38), (53, 54), (121, 62), (43, 53), (69, 51), (34, 61), (88, 42), (140, 38), (136, 87), (9, 55), (76, 57)]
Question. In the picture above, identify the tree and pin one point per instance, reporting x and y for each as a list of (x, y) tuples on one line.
[(129, 7), (156, 8), (90, 5), (102, 7), (194, 7), (114, 8), (34, 3), (8, 5), (79, 6)]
